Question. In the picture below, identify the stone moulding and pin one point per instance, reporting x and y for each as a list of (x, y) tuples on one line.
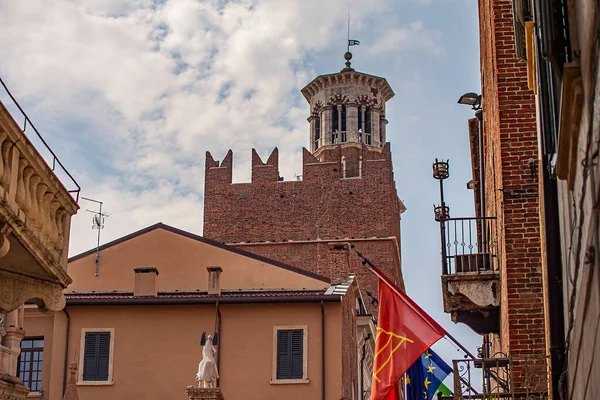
[(17, 289)]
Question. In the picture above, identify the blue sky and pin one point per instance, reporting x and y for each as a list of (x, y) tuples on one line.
[(131, 93)]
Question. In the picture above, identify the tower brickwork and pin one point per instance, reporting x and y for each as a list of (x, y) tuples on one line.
[(346, 193)]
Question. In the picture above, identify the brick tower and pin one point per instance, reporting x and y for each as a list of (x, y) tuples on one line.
[(347, 193)]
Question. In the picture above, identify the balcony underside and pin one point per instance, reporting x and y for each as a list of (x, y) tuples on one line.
[(473, 299)]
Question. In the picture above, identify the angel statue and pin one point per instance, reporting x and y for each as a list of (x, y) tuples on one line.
[(207, 370), (2, 327)]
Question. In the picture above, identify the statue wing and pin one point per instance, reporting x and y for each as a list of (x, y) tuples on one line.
[(203, 339), (216, 339)]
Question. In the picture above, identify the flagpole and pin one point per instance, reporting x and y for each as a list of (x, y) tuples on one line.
[(367, 263)]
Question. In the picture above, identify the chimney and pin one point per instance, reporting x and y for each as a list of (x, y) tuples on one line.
[(214, 283), (146, 281), (339, 261)]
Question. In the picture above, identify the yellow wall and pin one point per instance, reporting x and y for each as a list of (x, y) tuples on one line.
[(157, 349), (181, 262)]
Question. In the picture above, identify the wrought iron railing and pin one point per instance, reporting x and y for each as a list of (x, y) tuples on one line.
[(495, 378), (54, 163), (468, 244)]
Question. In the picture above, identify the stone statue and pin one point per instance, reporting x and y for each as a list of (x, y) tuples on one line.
[(2, 326), (207, 370)]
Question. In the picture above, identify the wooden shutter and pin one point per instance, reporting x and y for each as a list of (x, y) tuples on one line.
[(103, 354), (297, 354), (96, 356), (290, 354), (521, 14)]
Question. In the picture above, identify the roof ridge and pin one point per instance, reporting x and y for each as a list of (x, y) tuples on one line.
[(202, 239)]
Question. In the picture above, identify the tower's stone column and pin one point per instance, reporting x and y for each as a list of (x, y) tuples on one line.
[(352, 122)]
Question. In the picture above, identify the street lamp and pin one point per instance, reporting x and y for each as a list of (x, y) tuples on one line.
[(441, 171), (471, 99)]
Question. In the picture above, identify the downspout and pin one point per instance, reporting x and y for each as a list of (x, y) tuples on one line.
[(362, 366), (64, 387), (322, 351), (479, 116), (220, 339)]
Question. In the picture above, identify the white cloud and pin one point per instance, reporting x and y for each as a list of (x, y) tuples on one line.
[(411, 37), (137, 91)]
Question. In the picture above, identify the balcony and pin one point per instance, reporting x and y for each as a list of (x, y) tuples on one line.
[(500, 377), (35, 216), (470, 277)]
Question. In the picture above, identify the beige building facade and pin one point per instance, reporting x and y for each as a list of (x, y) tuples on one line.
[(134, 331)]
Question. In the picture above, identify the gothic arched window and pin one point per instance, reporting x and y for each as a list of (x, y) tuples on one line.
[(343, 123)]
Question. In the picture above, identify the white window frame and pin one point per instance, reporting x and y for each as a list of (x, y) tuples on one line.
[(274, 380), (109, 381)]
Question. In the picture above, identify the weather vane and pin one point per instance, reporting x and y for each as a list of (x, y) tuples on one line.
[(351, 42)]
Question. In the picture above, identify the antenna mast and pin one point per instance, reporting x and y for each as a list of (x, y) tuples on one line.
[(97, 223)]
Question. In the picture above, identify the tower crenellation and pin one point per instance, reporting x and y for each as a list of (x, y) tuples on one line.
[(347, 191)]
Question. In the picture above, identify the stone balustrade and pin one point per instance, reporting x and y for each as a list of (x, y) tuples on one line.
[(35, 219)]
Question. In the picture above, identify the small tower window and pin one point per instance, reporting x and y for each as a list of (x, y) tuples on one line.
[(368, 121), (381, 131), (343, 123), (317, 132), (334, 119)]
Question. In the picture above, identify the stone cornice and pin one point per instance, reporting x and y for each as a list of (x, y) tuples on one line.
[(343, 78)]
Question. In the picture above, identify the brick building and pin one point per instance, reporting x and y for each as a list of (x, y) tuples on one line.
[(534, 147), (346, 193), (493, 276)]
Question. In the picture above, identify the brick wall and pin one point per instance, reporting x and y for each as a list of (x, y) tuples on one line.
[(512, 184), (299, 218), (349, 346), (315, 256)]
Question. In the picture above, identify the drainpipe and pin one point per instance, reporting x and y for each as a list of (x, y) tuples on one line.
[(322, 351), (64, 387), (479, 116), (362, 366), (220, 339)]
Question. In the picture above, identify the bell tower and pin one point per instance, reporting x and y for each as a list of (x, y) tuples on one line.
[(346, 194), (347, 109)]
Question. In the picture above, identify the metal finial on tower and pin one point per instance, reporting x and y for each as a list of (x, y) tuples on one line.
[(351, 42)]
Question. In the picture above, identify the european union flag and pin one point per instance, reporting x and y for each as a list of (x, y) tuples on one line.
[(425, 376)]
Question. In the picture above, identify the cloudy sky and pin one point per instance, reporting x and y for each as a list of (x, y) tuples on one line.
[(131, 93)]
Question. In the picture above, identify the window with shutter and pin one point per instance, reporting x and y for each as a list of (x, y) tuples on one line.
[(290, 354), (521, 14), (96, 356)]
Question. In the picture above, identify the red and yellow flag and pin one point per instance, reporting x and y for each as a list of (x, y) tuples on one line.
[(404, 332)]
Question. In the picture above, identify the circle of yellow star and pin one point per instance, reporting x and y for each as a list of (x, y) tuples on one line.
[(426, 383), (430, 368)]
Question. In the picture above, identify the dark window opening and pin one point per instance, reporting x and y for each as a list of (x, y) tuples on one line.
[(29, 365), (334, 119), (368, 138), (368, 121), (96, 356), (343, 121), (360, 118), (290, 354)]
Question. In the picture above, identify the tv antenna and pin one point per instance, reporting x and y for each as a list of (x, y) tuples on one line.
[(97, 223)]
